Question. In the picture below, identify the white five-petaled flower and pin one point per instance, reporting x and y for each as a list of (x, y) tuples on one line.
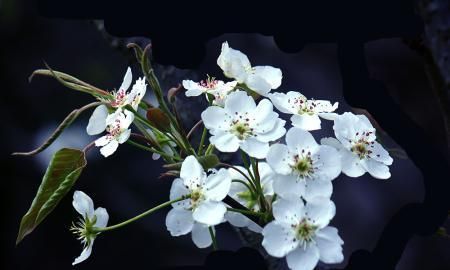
[(305, 112), (236, 65), (357, 145), (304, 167), (216, 88), (121, 98), (301, 233), (242, 194), (118, 131), (242, 124), (204, 204), (85, 227)]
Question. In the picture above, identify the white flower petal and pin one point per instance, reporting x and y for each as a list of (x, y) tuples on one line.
[(177, 190), (279, 239), (380, 154), (225, 142), (192, 173), (267, 175), (298, 139), (233, 63), (124, 136), (278, 157), (239, 102), (270, 74), (258, 84), (255, 148), (264, 116), (288, 211), (102, 141), (328, 116), (83, 204), (214, 117), (333, 142), (209, 212), (303, 259), (288, 186), (277, 132), (376, 169), (193, 88), (109, 148), (321, 210), (102, 217), (237, 219), (324, 106), (217, 185), (97, 121), (127, 80), (351, 164), (179, 222), (318, 187), (306, 121), (329, 162), (200, 235), (330, 245), (84, 254)]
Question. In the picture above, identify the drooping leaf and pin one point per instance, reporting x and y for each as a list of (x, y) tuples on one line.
[(62, 172), (64, 124)]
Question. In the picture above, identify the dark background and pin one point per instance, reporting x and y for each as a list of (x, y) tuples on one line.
[(126, 183)]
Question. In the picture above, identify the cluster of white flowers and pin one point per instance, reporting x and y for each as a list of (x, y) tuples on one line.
[(116, 123), (295, 177), (286, 185)]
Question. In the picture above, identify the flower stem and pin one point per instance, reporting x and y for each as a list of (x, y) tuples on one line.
[(213, 237), (202, 141), (148, 212), (246, 212)]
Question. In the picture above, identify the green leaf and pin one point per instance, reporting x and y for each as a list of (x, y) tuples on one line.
[(64, 124), (62, 172)]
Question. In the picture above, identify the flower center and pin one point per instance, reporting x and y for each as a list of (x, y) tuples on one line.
[(361, 143), (305, 231), (115, 129), (241, 130), (84, 230), (196, 197), (119, 98), (303, 105), (209, 83), (303, 165)]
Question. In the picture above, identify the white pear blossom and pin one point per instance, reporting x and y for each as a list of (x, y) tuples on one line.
[(91, 219), (304, 167), (357, 145), (218, 89), (118, 131), (305, 112), (240, 192), (206, 193), (242, 124), (236, 65), (121, 98), (301, 233)]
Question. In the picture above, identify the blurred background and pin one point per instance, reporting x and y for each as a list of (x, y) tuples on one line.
[(127, 183)]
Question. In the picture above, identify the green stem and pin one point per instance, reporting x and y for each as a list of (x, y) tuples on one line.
[(213, 237), (249, 187), (246, 212), (202, 141), (209, 149), (148, 212), (153, 150), (262, 199)]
